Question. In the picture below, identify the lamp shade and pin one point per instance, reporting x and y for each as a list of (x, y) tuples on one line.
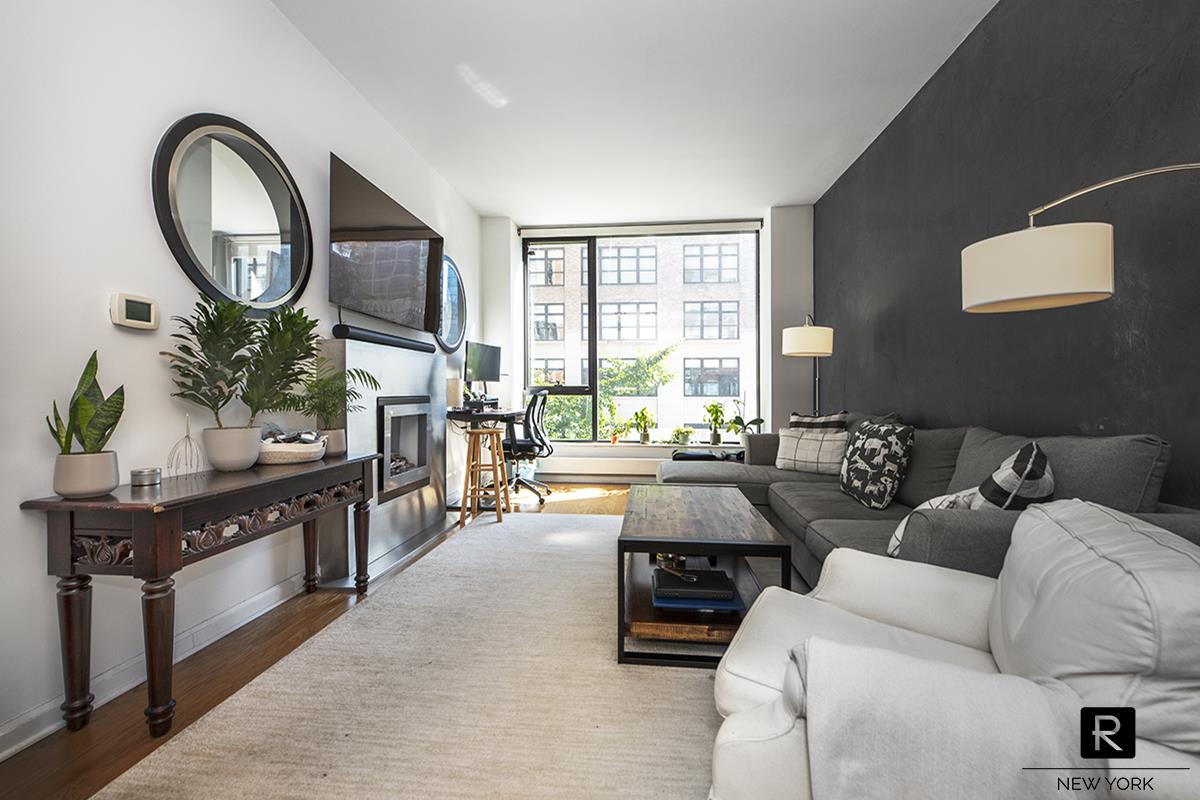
[(808, 340), (1034, 268)]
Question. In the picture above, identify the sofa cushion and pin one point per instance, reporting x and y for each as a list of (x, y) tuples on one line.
[(1107, 604), (753, 669), (856, 418), (931, 465), (818, 450), (801, 504), (1122, 472), (752, 479), (869, 536)]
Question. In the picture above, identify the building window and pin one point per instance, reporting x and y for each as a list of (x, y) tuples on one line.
[(583, 322), (547, 371), (546, 266), (628, 264), (583, 266), (710, 319), (628, 322), (710, 263), (547, 322), (711, 377)]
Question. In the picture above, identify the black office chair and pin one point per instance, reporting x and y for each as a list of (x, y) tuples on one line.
[(533, 445)]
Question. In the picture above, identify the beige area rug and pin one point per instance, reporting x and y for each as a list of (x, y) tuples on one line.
[(486, 670)]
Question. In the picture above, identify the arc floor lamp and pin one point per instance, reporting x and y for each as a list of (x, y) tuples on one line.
[(810, 341), (1050, 267)]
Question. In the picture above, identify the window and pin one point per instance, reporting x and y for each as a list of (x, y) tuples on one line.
[(637, 264), (628, 322), (583, 322), (710, 320), (710, 263), (711, 377), (583, 266), (546, 266), (548, 371), (548, 322)]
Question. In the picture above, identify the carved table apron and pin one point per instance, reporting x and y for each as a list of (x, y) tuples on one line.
[(152, 532)]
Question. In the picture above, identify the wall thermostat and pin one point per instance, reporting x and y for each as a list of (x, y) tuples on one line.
[(133, 311)]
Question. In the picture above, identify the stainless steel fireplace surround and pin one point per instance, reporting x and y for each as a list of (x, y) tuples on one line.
[(406, 421)]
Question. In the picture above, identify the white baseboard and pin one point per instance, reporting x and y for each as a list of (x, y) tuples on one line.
[(23, 730)]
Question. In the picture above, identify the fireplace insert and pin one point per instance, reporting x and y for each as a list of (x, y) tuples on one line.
[(405, 433)]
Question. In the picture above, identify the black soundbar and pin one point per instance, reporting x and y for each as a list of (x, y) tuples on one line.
[(342, 331)]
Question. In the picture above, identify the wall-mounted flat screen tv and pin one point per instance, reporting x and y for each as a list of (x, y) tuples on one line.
[(383, 260)]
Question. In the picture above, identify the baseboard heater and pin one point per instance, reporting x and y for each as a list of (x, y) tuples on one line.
[(342, 331)]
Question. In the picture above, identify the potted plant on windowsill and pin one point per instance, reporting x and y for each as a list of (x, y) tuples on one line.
[(222, 353), (740, 426), (325, 393), (643, 421), (618, 430), (91, 419), (681, 436), (714, 416)]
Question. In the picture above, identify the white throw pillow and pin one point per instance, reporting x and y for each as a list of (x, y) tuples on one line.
[(818, 450), (967, 498)]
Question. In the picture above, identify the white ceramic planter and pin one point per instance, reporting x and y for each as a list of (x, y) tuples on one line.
[(232, 449), (86, 474), (335, 442)]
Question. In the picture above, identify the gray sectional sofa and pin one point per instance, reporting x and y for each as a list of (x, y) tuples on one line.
[(1122, 472)]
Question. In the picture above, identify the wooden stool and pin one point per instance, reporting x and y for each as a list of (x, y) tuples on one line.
[(473, 488)]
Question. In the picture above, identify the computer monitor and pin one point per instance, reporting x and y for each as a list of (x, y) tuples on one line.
[(483, 362)]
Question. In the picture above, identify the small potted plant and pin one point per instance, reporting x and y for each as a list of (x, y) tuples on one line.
[(740, 426), (325, 393), (91, 420), (714, 416), (618, 430), (643, 421), (681, 436), (222, 353)]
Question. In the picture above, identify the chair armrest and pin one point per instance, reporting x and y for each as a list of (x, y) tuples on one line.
[(923, 598), (761, 448), (959, 538)]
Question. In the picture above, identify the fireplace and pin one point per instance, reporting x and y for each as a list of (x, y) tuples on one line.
[(405, 434)]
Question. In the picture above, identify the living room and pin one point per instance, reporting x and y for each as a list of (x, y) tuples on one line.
[(621, 400)]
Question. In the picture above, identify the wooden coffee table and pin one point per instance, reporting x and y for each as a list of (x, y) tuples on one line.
[(691, 520)]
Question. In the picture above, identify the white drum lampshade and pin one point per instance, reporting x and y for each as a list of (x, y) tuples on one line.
[(813, 341), (1036, 268)]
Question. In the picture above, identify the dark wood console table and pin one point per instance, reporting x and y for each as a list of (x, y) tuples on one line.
[(152, 532)]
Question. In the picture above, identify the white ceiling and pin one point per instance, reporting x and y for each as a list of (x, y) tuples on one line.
[(637, 110)]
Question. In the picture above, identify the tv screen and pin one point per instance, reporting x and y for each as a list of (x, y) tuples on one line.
[(383, 261), (483, 362)]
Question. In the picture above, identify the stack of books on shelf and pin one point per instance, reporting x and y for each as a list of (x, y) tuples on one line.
[(695, 590)]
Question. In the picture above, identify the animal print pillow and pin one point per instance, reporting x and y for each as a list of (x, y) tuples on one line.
[(876, 462)]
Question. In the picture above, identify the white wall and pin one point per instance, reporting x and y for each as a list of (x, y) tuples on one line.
[(504, 304), (89, 89), (787, 293)]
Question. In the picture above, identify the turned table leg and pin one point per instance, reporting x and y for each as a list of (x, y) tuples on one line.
[(310, 556), (158, 622), (362, 537), (75, 639)]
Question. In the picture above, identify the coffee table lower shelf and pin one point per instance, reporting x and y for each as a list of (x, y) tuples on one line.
[(642, 620)]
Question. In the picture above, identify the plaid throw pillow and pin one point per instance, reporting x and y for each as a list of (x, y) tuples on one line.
[(818, 450), (876, 462)]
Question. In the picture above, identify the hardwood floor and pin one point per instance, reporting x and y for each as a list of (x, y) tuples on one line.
[(77, 765)]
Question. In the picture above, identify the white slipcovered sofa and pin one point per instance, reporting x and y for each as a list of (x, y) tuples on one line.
[(902, 679)]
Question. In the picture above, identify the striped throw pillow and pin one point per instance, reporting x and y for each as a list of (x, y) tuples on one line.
[(829, 422), (1024, 478)]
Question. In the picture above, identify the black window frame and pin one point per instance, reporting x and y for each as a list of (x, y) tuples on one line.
[(699, 270), (547, 320), (638, 327), (560, 273), (698, 380), (721, 310)]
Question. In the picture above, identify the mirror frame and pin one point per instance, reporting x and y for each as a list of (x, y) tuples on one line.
[(166, 162), (447, 345)]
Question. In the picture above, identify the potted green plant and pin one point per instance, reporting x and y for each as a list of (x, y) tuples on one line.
[(222, 353), (618, 430), (740, 425), (643, 421), (681, 435), (325, 393), (714, 416), (91, 420)]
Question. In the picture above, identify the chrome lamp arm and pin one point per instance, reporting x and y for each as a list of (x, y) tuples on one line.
[(1110, 182)]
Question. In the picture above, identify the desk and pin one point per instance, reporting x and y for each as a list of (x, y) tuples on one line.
[(152, 532), (476, 419)]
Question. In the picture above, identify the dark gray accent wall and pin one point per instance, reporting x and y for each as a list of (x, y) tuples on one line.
[(1043, 97)]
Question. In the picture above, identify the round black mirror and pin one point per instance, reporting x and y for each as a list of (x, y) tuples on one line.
[(452, 319), (231, 213)]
